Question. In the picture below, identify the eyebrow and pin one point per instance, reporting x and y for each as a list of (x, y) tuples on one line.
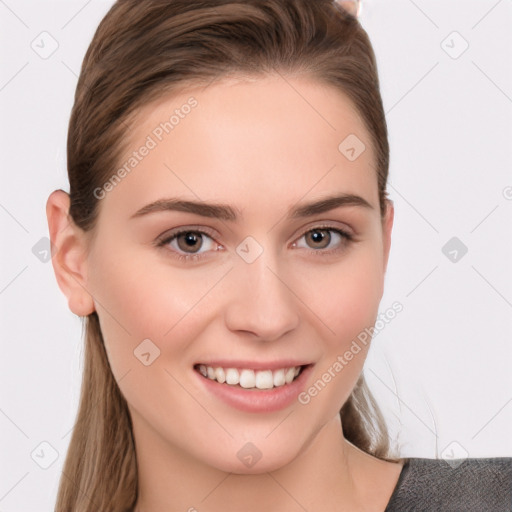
[(228, 213)]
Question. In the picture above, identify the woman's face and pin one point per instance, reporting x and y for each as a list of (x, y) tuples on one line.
[(269, 283)]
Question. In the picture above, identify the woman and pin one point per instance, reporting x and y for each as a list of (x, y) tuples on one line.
[(226, 238)]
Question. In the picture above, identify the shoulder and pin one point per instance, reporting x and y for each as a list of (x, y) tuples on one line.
[(472, 484)]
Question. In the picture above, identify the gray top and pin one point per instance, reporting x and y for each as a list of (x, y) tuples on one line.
[(457, 485)]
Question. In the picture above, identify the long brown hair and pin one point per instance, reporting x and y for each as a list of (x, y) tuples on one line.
[(142, 50)]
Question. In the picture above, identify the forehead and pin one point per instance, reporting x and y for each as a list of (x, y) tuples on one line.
[(275, 138)]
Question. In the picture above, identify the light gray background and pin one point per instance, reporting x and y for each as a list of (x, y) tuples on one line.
[(440, 370)]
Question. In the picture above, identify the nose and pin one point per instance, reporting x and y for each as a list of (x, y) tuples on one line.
[(260, 300)]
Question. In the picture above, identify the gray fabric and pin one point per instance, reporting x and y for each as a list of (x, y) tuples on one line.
[(476, 485)]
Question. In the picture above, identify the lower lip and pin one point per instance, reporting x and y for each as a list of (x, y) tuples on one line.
[(258, 400)]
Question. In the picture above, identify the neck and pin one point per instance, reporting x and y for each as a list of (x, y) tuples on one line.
[(329, 474)]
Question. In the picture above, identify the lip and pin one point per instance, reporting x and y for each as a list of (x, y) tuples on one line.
[(257, 400)]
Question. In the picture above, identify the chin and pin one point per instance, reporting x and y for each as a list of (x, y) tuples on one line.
[(252, 458)]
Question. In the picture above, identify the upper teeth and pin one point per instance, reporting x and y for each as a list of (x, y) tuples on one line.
[(266, 379)]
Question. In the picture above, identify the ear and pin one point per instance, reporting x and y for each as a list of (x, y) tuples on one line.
[(351, 6), (70, 257), (387, 227)]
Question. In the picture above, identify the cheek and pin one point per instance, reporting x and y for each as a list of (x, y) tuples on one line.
[(347, 305), (346, 296), (138, 302), (140, 298)]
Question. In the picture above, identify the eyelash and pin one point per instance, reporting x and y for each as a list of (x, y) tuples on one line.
[(188, 257)]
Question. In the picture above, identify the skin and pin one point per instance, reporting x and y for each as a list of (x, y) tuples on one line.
[(261, 146)]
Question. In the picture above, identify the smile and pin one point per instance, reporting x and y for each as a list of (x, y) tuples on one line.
[(250, 379)]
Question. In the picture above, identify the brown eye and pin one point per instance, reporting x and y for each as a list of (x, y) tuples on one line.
[(320, 238), (187, 243), (190, 240)]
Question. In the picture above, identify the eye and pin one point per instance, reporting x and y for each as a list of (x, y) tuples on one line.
[(186, 240), (183, 242), (320, 237)]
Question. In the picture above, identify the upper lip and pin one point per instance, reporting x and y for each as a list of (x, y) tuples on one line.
[(254, 365)]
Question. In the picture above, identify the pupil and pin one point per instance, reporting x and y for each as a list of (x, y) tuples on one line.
[(190, 238)]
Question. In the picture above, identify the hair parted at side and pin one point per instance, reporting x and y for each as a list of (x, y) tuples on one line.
[(143, 50)]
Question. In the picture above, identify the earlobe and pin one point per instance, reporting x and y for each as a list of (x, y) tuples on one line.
[(69, 258)]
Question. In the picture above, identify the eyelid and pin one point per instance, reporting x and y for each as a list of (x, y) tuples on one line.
[(181, 229), (325, 224)]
